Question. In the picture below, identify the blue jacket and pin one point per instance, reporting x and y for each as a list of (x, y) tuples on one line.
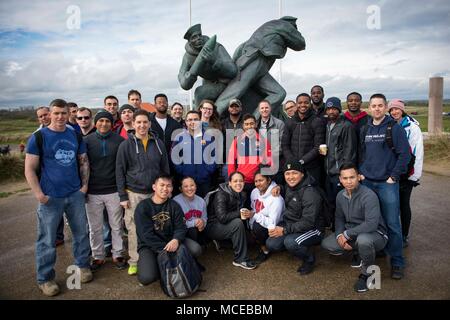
[(379, 162), (194, 157)]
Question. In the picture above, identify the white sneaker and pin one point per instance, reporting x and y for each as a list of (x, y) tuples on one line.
[(49, 288)]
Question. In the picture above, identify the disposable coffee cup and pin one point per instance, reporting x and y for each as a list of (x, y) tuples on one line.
[(323, 149), (243, 210)]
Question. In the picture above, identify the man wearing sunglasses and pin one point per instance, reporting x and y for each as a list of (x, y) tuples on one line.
[(84, 120)]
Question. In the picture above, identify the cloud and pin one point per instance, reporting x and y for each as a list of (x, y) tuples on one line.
[(122, 45)]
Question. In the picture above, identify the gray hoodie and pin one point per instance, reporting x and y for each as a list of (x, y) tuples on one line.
[(358, 214)]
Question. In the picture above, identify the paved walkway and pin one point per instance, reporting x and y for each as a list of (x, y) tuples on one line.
[(427, 274)]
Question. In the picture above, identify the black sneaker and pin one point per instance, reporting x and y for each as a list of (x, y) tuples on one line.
[(249, 265), (97, 264), (306, 267), (396, 273), (120, 263), (361, 284), (356, 261), (261, 257)]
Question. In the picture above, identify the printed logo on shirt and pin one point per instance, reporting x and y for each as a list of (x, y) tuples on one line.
[(193, 213), (259, 205), (160, 219), (65, 157), (375, 137)]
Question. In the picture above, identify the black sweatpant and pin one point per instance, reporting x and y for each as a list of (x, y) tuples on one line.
[(233, 230), (405, 206)]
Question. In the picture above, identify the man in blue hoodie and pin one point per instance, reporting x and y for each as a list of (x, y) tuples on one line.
[(193, 155), (384, 156)]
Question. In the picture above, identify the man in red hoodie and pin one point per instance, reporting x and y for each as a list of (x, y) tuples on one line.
[(354, 114), (248, 151)]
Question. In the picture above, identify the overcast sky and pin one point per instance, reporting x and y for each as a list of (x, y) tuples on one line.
[(123, 45)]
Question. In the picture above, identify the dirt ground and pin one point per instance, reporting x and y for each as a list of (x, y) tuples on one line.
[(427, 274)]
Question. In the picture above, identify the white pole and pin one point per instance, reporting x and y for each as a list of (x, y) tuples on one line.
[(190, 24), (280, 10)]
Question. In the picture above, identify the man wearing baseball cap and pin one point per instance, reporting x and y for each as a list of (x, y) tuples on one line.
[(102, 147), (302, 226), (341, 148)]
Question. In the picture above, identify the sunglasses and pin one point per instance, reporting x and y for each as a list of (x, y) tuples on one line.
[(85, 118)]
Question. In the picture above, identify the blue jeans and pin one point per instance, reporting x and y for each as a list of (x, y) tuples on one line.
[(49, 215), (388, 194)]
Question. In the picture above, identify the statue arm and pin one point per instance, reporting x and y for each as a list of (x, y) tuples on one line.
[(293, 38), (224, 65), (185, 77)]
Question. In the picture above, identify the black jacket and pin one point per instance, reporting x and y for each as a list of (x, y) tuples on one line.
[(226, 205), (302, 138), (155, 228), (102, 153), (342, 146), (165, 135), (137, 169), (304, 207)]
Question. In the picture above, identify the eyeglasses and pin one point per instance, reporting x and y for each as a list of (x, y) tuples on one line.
[(85, 118)]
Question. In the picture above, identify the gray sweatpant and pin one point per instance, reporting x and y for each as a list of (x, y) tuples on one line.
[(95, 205), (366, 244)]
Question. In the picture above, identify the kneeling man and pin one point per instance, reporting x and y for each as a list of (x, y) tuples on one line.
[(359, 224)]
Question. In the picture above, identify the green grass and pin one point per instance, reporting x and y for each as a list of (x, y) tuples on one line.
[(12, 168), (16, 126), (437, 149)]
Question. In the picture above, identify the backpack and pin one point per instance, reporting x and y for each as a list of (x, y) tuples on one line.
[(390, 143), (40, 142), (180, 275)]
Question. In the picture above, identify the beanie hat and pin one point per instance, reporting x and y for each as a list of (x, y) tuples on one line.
[(103, 114), (126, 106), (396, 103), (333, 102), (297, 166)]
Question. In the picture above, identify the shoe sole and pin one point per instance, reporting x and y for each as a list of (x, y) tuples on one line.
[(243, 267), (362, 290), (356, 266)]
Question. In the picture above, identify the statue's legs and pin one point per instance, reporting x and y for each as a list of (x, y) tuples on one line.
[(274, 93), (208, 90), (244, 80)]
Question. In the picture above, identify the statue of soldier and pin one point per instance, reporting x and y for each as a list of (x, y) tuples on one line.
[(208, 59), (255, 57)]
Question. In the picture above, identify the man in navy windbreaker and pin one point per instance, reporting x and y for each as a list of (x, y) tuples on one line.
[(384, 157), (193, 154)]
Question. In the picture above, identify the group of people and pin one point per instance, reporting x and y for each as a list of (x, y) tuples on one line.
[(200, 177)]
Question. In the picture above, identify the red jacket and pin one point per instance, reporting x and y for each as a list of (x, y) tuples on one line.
[(246, 155)]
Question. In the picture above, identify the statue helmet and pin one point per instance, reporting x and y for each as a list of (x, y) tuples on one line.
[(196, 28)]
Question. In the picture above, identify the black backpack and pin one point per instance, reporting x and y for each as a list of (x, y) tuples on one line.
[(390, 143), (180, 274), (40, 142)]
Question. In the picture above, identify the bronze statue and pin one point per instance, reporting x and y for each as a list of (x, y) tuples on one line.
[(251, 81), (208, 59)]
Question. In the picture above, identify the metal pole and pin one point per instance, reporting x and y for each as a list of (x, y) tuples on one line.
[(280, 10), (190, 24)]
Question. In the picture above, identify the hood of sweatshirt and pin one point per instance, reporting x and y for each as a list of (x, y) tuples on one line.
[(268, 192)]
